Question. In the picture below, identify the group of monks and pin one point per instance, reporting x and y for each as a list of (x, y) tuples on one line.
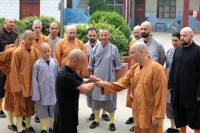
[(146, 79)]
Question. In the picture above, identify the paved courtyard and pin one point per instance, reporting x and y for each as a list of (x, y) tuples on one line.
[(122, 113)]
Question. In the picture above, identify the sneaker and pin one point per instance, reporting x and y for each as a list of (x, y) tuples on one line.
[(50, 130), (2, 114), (94, 125), (43, 131), (105, 117), (130, 120), (12, 127), (30, 130), (37, 120), (91, 118), (23, 131), (131, 129), (112, 127)]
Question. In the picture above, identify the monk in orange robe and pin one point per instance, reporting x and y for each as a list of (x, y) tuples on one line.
[(5, 64), (66, 45), (39, 37), (22, 63), (147, 79)]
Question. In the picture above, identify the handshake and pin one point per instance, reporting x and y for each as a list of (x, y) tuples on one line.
[(98, 82)]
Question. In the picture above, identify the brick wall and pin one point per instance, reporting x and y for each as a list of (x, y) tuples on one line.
[(50, 8), (9, 8)]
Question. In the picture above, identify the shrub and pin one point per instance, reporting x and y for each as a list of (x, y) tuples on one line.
[(112, 18), (116, 36), (46, 20)]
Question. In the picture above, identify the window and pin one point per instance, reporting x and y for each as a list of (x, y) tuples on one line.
[(166, 9), (116, 5), (30, 1)]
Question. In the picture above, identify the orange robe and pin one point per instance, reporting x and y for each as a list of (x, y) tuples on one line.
[(149, 87), (21, 78), (42, 38), (5, 63), (63, 49)]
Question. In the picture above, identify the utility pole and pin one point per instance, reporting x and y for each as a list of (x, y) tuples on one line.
[(185, 12), (61, 18)]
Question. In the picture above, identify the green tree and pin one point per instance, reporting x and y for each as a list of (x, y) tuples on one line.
[(97, 5)]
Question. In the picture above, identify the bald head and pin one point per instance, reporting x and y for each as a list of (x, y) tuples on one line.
[(37, 21), (45, 51), (188, 30), (9, 23), (77, 54), (44, 45), (28, 38), (140, 46), (137, 32), (146, 24), (146, 30), (28, 32), (71, 32), (186, 36)]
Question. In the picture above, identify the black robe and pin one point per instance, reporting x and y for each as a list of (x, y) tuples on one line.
[(67, 94), (184, 78)]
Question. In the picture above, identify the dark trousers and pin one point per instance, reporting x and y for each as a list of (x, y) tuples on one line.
[(2, 84), (57, 129)]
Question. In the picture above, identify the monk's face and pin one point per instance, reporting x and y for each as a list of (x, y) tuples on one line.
[(71, 33), (46, 53), (145, 30), (104, 37), (28, 40), (9, 23), (92, 36), (186, 37), (135, 54), (175, 41), (37, 28), (137, 33), (53, 29)]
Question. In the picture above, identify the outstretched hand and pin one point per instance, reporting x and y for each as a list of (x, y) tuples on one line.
[(97, 81)]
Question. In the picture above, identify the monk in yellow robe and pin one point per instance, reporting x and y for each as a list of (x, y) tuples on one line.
[(148, 81), (66, 45), (5, 64), (22, 63), (39, 37)]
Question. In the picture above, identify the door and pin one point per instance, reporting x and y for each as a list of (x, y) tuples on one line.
[(139, 12), (29, 8)]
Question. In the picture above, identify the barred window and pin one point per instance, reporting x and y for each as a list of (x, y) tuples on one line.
[(116, 5), (166, 9)]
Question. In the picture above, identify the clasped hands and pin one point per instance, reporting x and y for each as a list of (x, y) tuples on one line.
[(97, 81)]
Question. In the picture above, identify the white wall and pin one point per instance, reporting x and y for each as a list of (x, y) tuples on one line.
[(9, 8), (50, 8)]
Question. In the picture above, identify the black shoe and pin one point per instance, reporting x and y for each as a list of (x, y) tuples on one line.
[(50, 130), (91, 118), (169, 130), (30, 130), (23, 131), (176, 131), (112, 127), (2, 114), (12, 127), (105, 117), (43, 131), (131, 129), (130, 120), (23, 124), (94, 125), (37, 120)]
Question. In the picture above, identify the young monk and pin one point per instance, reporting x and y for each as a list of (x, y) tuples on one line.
[(43, 84)]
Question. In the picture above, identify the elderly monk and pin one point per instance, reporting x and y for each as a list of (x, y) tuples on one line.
[(39, 37), (149, 86), (5, 63), (21, 72), (66, 45)]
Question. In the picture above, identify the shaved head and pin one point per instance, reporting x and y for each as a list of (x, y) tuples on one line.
[(53, 24), (44, 45), (186, 36), (146, 24), (137, 32), (71, 27), (146, 29), (188, 30), (28, 32), (77, 54), (140, 46), (8, 19), (28, 38), (71, 32), (9, 23), (37, 21), (136, 27)]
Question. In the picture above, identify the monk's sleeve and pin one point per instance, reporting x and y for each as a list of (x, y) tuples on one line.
[(5, 61), (161, 58), (123, 83), (57, 52), (35, 85), (160, 92), (84, 71), (14, 74)]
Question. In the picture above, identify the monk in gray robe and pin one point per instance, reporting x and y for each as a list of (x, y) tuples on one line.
[(104, 63), (43, 84)]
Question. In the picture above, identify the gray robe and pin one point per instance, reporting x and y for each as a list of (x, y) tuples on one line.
[(53, 44), (156, 50), (43, 81), (104, 61)]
